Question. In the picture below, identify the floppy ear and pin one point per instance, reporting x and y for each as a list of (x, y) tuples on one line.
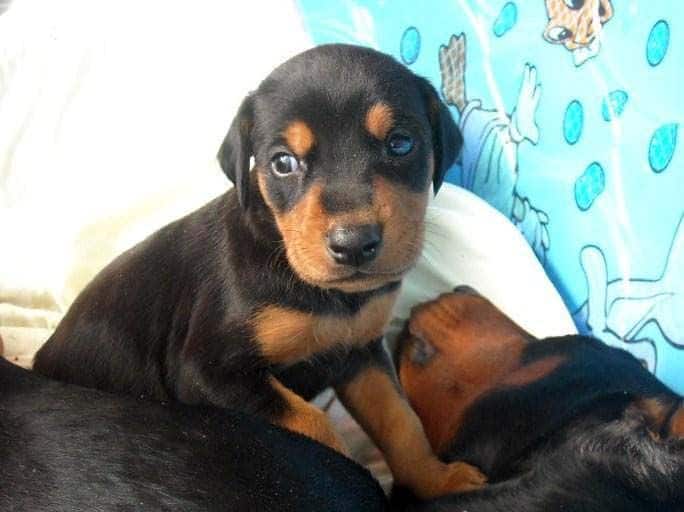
[(446, 137), (236, 150)]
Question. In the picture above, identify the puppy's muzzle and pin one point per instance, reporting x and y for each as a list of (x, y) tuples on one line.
[(354, 245)]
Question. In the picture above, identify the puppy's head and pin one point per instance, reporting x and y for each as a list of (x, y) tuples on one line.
[(470, 372), (454, 349), (346, 144)]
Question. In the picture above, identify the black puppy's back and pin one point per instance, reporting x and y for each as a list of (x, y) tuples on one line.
[(63, 447)]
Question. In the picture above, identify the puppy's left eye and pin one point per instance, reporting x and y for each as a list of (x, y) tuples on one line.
[(283, 164), (399, 144)]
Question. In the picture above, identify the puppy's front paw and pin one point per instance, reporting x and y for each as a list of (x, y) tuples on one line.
[(438, 479), (462, 477)]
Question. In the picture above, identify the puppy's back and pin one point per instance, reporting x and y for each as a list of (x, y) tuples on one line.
[(63, 447)]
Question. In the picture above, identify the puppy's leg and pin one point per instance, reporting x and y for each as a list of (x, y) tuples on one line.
[(371, 393), (305, 418), (202, 381)]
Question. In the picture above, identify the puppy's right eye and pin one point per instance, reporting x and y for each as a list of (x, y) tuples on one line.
[(284, 164), (399, 144)]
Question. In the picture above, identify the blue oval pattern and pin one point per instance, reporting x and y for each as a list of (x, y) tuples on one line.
[(589, 186), (506, 19), (410, 45), (573, 122), (658, 42), (662, 146), (614, 105)]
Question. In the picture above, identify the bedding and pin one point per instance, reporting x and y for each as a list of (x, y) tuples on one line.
[(110, 129)]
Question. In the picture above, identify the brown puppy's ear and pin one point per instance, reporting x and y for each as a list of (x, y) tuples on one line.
[(236, 150), (446, 137)]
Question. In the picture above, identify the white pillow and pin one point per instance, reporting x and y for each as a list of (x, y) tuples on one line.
[(470, 243)]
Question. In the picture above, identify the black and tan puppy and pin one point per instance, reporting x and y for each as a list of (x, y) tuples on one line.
[(565, 424), (283, 286), (68, 448)]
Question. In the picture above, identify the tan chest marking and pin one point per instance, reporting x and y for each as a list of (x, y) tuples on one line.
[(287, 335)]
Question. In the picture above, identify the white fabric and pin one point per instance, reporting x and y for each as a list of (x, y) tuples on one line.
[(111, 114), (470, 243)]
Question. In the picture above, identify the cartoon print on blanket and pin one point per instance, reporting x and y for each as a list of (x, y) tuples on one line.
[(618, 312), (489, 160), (577, 25)]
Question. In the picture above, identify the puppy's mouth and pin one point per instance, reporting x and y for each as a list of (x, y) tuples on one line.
[(359, 274)]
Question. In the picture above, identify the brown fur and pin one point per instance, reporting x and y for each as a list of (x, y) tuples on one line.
[(659, 411), (655, 411), (299, 138), (533, 372), (479, 348), (307, 419), (389, 420), (379, 120), (677, 424), (287, 336), (304, 228)]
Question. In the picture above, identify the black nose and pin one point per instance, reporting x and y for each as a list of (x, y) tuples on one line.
[(354, 245)]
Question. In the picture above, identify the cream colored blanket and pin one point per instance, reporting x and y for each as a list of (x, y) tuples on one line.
[(110, 116)]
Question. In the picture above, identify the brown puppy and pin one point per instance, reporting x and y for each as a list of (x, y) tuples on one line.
[(565, 423), (284, 285)]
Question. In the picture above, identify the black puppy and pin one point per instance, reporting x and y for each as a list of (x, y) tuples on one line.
[(562, 424), (63, 447), (284, 285)]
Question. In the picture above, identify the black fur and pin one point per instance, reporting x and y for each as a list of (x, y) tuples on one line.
[(572, 441), (67, 448), (236, 150)]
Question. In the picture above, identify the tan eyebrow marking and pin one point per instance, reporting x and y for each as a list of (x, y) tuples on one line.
[(299, 138), (379, 120)]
